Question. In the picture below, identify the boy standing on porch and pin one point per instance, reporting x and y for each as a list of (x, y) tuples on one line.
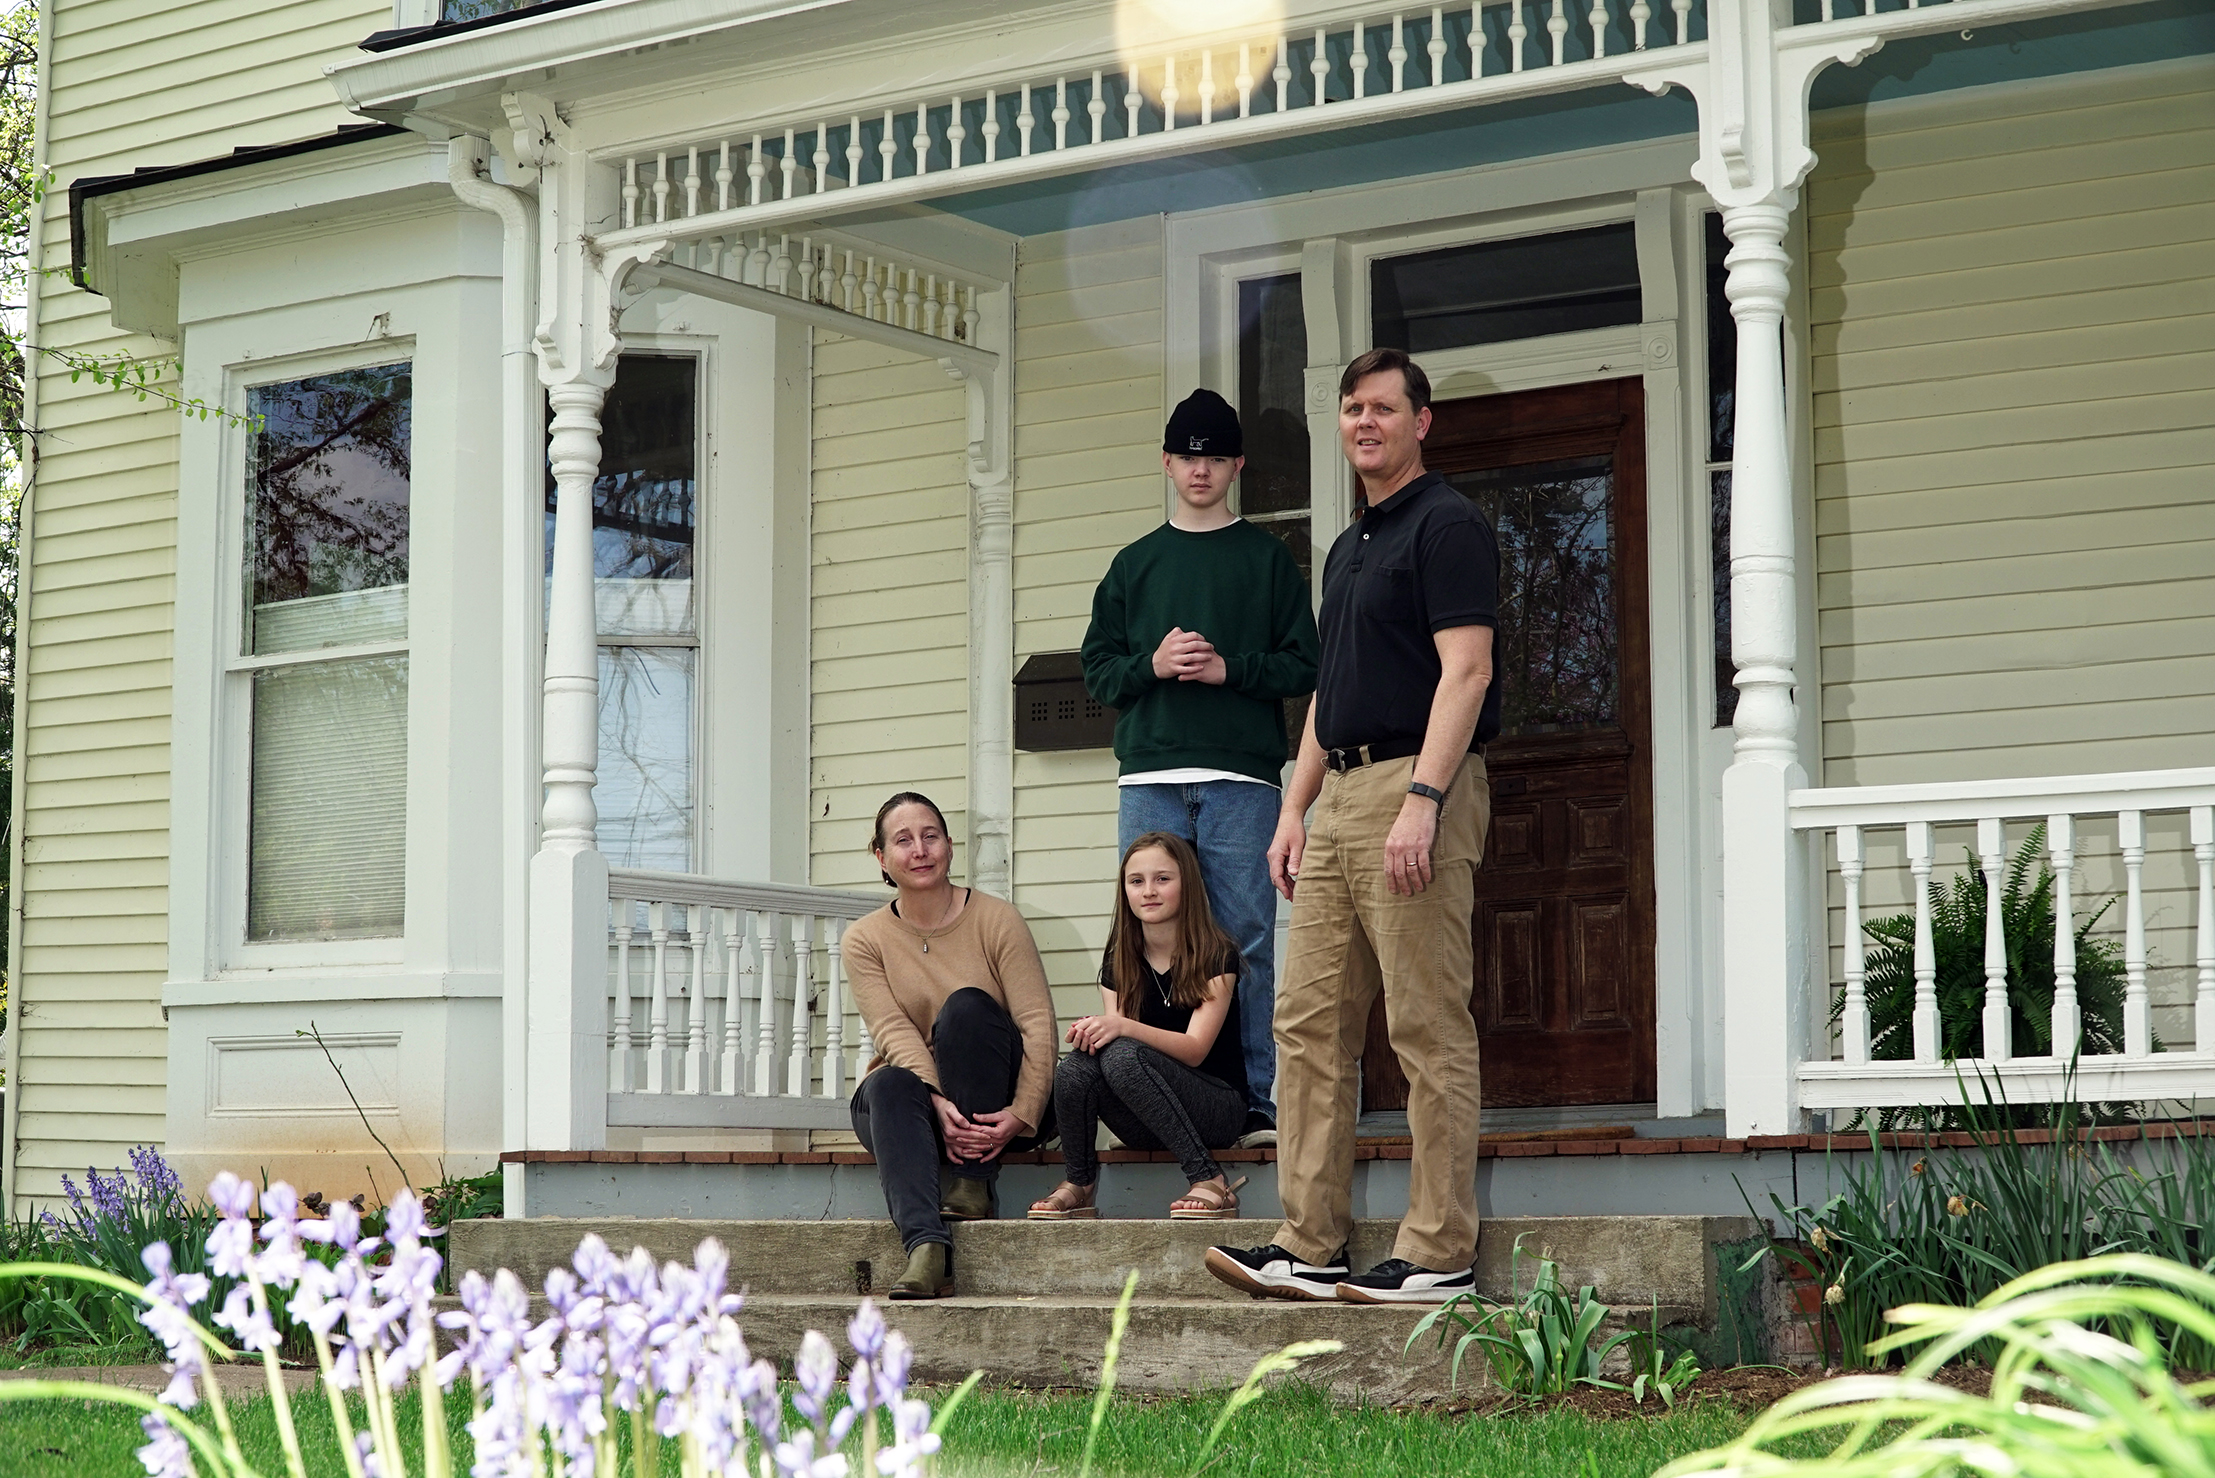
[(1199, 633)]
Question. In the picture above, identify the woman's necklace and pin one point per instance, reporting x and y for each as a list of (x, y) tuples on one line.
[(942, 921)]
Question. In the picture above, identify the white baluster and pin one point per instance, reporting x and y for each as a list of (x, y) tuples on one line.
[(1999, 1017), (2203, 853), (1096, 108), (822, 157), (1598, 20), (1683, 9), (1169, 95), (2068, 1021), (619, 1032), (657, 1019), (1397, 56), (2130, 829), (1926, 958), (846, 285), (909, 300), (869, 292), (692, 181), (731, 1065), (1282, 73), (1358, 60), (696, 1002), (930, 304), (630, 192), (1207, 88), (854, 152), (922, 139), (1025, 121), (1640, 13), (1854, 1020), (723, 178), (788, 164), (863, 1049), (1061, 113), (1319, 67), (1436, 48), (1244, 82), (1476, 35), (1133, 100), (834, 1013), (661, 189), (803, 978), (969, 315), (757, 260), (780, 268), (757, 170), (991, 129), (1829, 10), (1517, 34), (957, 134), (1557, 26), (888, 146), (765, 983)]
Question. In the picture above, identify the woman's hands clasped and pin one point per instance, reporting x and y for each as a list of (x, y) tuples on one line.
[(980, 1138), (1091, 1033)]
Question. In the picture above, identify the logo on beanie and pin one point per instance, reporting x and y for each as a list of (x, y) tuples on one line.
[(1199, 443)]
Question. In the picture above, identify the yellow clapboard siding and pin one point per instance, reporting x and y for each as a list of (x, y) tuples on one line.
[(2044, 650), (1963, 365), (1915, 508), (1966, 323), (2002, 538)]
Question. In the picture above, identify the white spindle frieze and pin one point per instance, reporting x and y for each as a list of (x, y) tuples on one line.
[(2162, 823), (748, 1022), (1137, 103)]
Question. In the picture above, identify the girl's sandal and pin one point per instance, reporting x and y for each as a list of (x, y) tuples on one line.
[(1208, 1201), (1066, 1202)]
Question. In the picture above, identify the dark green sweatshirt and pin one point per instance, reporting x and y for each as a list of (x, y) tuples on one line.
[(1238, 587)]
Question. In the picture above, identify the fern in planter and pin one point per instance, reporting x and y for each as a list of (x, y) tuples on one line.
[(1957, 910)]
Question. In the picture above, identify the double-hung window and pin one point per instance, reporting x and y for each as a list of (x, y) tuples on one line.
[(643, 521), (325, 644)]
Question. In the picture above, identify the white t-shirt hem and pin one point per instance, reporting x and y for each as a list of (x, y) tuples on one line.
[(1188, 777)]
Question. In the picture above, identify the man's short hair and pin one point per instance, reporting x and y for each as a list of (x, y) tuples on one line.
[(1376, 362)]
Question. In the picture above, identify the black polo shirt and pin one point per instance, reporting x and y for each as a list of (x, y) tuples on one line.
[(1420, 561)]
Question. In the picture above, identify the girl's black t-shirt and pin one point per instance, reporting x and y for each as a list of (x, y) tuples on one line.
[(1226, 1056)]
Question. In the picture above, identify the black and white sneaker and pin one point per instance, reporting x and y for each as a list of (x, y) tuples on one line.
[(1272, 1272), (1398, 1281)]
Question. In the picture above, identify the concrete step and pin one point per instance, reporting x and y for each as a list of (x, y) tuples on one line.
[(1036, 1297)]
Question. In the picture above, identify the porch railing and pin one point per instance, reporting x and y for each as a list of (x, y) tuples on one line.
[(727, 1003), (2156, 828)]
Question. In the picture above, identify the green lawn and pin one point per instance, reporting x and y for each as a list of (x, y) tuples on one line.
[(1294, 1431)]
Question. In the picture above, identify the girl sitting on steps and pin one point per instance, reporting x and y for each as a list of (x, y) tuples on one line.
[(1161, 1064)]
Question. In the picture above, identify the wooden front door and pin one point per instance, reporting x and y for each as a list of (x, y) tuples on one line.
[(1564, 925)]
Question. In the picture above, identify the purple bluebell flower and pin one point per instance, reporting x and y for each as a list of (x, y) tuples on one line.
[(233, 1197), (865, 1331), (891, 1366), (253, 1327), (170, 1297), (815, 1369), (913, 1441), (110, 1199), (797, 1458), (165, 1454)]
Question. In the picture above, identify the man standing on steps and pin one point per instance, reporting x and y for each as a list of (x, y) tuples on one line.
[(1384, 887), (1199, 633)]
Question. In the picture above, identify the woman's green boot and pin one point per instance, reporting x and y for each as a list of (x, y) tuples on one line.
[(963, 1199), (930, 1273)]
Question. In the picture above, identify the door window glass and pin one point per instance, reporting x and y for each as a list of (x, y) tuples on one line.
[(1273, 491), (1492, 291), (1555, 649), (1722, 396)]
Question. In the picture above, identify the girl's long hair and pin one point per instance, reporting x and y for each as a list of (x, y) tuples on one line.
[(1204, 951)]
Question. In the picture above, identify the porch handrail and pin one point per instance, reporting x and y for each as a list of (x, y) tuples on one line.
[(2060, 802)]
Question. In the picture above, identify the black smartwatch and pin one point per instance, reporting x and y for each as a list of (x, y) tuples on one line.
[(1428, 792)]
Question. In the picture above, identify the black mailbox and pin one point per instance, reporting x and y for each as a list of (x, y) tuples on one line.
[(1052, 709)]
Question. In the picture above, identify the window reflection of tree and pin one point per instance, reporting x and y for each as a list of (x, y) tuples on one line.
[(645, 779), (1556, 645), (643, 498), (330, 469)]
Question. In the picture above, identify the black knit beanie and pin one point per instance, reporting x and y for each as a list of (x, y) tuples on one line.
[(1204, 426)]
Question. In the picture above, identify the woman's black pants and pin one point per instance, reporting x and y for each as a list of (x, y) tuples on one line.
[(979, 1054)]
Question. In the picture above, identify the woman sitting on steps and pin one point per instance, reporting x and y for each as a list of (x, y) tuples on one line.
[(1161, 1064), (950, 983)]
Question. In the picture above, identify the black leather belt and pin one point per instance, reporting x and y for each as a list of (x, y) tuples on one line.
[(1342, 760)]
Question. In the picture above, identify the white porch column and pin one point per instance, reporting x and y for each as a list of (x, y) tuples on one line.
[(577, 346), (1752, 92), (991, 603)]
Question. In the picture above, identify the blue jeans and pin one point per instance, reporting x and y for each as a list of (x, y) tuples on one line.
[(1230, 823)]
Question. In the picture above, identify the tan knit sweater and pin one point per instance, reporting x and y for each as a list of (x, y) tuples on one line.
[(899, 988)]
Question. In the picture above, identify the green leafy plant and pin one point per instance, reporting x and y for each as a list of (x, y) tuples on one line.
[(1957, 916), (2081, 1388), (1538, 1344), (1651, 1367)]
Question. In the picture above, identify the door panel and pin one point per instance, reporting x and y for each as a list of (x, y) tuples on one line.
[(1564, 923)]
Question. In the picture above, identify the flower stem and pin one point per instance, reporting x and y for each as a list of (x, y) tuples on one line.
[(340, 1417), (279, 1402)]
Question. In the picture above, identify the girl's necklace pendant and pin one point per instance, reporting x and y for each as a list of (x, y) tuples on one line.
[(926, 946)]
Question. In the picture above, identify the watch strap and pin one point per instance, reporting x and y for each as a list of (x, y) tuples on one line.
[(1428, 792)]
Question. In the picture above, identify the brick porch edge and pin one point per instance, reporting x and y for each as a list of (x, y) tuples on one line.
[(1512, 1150)]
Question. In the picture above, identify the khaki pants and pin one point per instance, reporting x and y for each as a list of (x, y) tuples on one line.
[(1351, 934)]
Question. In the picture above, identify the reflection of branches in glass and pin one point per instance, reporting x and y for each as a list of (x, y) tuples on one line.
[(1556, 652), (330, 483), (643, 499), (644, 789)]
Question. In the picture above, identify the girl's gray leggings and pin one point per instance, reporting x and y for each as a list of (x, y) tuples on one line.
[(1151, 1102)]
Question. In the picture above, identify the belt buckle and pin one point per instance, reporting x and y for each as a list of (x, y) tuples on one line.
[(1342, 760)]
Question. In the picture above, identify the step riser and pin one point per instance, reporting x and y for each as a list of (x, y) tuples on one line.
[(1628, 1260)]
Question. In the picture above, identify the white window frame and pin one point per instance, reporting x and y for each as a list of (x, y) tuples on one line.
[(235, 706)]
